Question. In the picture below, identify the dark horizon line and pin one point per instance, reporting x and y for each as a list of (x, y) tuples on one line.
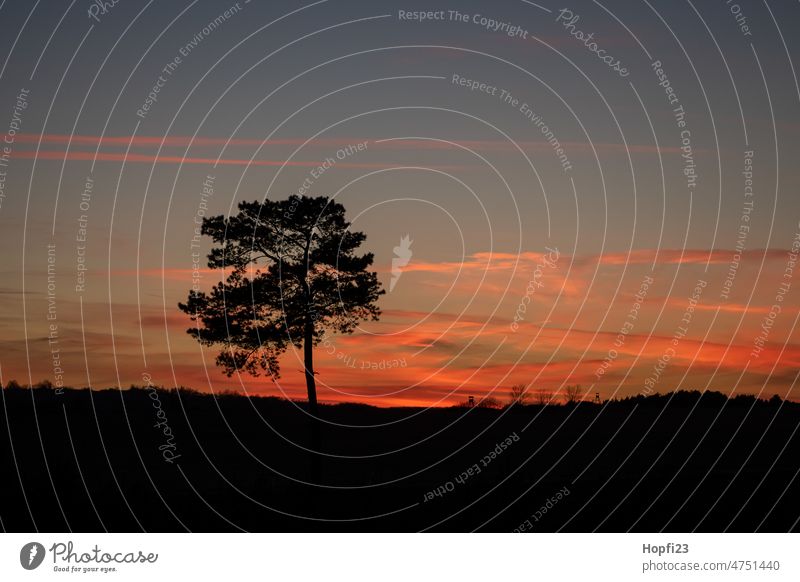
[(490, 403)]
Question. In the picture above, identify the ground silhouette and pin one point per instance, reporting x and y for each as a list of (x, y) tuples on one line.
[(103, 460)]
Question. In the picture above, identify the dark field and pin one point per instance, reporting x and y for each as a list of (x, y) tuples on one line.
[(91, 461)]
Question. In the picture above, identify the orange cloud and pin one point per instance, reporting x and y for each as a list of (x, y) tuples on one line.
[(446, 355), (682, 256)]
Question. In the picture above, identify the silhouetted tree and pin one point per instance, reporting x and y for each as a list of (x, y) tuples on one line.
[(518, 395), (776, 400), (291, 275), (543, 398)]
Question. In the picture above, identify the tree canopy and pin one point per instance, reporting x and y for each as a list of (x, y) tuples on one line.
[(291, 274)]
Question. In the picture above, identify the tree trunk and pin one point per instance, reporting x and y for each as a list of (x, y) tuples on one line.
[(311, 387), (308, 357)]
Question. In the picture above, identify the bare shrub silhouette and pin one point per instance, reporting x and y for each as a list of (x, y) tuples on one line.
[(518, 394), (572, 394)]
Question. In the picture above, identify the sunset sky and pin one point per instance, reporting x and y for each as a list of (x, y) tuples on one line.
[(570, 224)]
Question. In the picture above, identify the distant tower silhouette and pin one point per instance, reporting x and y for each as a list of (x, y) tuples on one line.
[(471, 401), (597, 398)]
